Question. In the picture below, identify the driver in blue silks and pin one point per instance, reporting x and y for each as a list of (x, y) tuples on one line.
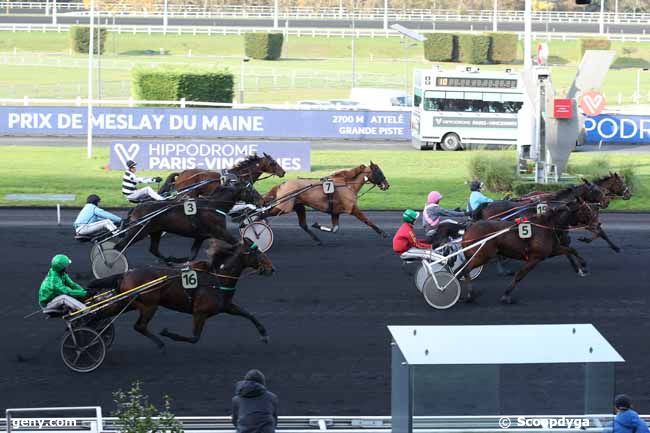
[(93, 220), (476, 197)]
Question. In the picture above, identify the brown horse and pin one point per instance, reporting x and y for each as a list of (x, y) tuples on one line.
[(215, 292), (613, 184), (249, 169), (549, 239), (295, 195), (208, 222)]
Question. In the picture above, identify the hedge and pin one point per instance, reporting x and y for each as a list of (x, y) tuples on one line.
[(263, 46), (594, 44), (473, 49), (503, 47), (80, 36), (441, 47), (172, 84)]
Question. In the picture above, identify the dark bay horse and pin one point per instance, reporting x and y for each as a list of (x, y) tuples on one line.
[(249, 170), (614, 184), (208, 222), (295, 195), (217, 282), (549, 239)]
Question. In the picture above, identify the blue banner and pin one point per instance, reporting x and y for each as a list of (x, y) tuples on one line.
[(207, 155), (618, 128), (201, 122)]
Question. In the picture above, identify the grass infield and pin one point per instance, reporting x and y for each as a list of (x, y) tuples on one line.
[(412, 174)]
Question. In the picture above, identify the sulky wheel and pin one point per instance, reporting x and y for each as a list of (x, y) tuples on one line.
[(441, 290), (422, 274), (94, 251), (107, 330), (113, 262), (260, 233), (82, 350), (474, 273)]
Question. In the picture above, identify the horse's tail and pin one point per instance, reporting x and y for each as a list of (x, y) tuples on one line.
[(271, 195), (112, 282), (168, 184)]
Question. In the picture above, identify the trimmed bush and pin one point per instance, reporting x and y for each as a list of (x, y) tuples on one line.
[(594, 44), (171, 84), (80, 36), (497, 170), (503, 47), (441, 47), (263, 46), (473, 49)]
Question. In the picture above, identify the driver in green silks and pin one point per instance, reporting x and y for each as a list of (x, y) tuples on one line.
[(58, 290)]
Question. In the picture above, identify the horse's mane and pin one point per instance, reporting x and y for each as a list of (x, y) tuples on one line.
[(246, 162), (218, 252), (349, 173)]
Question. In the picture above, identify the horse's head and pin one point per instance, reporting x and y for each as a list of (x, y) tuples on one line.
[(243, 190), (592, 193), (377, 177), (271, 166), (254, 258), (615, 184), (233, 259)]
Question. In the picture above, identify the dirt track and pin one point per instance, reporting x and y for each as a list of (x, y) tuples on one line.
[(326, 310)]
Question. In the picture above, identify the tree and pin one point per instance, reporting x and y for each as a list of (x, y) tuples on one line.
[(136, 414)]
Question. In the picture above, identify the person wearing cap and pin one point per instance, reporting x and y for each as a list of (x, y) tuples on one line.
[(476, 197), (130, 184), (405, 238), (58, 290), (627, 420), (92, 219), (433, 214), (254, 408)]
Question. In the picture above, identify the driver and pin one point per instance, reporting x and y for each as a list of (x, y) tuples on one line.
[(433, 214), (58, 290), (476, 198), (92, 219), (405, 239), (130, 182)]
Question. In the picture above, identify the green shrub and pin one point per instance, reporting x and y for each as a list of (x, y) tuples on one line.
[(172, 84), (136, 414), (441, 47), (631, 178), (473, 49), (496, 169), (594, 44), (263, 46), (597, 167), (80, 36), (503, 47)]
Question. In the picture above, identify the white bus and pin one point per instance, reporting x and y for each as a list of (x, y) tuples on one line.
[(460, 109)]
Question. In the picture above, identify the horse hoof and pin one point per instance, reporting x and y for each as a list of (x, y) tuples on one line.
[(468, 300), (617, 250), (162, 349), (265, 339), (316, 226), (583, 272), (508, 300), (164, 332)]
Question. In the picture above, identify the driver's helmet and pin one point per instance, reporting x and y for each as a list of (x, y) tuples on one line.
[(60, 262), (409, 216), (475, 185), (93, 199), (130, 163)]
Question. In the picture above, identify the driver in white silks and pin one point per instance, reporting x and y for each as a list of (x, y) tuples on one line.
[(130, 184), (433, 215)]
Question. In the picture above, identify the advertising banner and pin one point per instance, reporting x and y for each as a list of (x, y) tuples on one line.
[(208, 155), (207, 123), (618, 128)]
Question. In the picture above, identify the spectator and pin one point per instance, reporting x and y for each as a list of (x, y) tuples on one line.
[(254, 408), (627, 420)]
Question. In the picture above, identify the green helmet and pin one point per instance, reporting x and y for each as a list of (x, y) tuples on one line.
[(60, 262), (410, 215)]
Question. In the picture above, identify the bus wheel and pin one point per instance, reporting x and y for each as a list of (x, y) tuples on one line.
[(450, 141)]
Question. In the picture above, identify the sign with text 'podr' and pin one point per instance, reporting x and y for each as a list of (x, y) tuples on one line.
[(618, 128), (202, 122), (209, 155)]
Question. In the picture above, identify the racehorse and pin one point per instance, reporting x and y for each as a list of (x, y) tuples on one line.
[(549, 239), (294, 195), (208, 222), (249, 169), (614, 184), (217, 282)]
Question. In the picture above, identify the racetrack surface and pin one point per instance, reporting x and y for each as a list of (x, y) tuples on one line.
[(326, 309)]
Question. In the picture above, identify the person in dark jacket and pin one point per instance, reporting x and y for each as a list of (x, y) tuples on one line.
[(627, 420), (254, 408)]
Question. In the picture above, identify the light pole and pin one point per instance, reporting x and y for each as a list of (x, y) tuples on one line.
[(276, 11), (385, 15), (54, 12), (494, 18), (602, 17), (165, 16), (89, 113), (241, 79), (528, 33), (638, 83), (407, 33), (354, 39)]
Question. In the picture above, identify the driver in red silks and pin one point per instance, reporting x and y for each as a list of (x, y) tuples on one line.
[(405, 238)]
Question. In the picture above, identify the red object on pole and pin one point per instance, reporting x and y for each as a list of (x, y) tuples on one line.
[(563, 109)]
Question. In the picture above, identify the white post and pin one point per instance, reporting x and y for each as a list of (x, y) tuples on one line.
[(54, 12), (637, 96), (528, 34), (276, 11), (354, 38), (47, 7), (58, 214), (91, 49), (385, 15), (241, 82), (616, 11), (165, 16), (602, 17), (495, 18)]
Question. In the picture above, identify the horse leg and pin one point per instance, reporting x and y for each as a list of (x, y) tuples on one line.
[(146, 314), (236, 310), (502, 269), (333, 229), (571, 253), (521, 273), (154, 247), (196, 245), (302, 221), (198, 321), (364, 219), (601, 234)]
